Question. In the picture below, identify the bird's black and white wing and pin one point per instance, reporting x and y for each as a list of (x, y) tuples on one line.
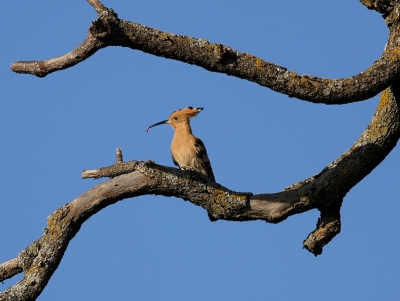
[(203, 158)]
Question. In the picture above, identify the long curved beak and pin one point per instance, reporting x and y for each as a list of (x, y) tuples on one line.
[(158, 123)]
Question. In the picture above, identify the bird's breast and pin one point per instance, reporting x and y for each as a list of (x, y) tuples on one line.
[(183, 152)]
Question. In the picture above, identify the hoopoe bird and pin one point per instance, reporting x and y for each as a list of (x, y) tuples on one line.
[(188, 151)]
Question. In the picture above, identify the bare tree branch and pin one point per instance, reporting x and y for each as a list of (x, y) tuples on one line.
[(109, 30), (119, 168), (324, 191), (41, 68), (9, 269)]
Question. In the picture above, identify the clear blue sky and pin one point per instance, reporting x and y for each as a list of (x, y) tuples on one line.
[(157, 248)]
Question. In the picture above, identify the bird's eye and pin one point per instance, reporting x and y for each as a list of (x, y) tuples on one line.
[(175, 118)]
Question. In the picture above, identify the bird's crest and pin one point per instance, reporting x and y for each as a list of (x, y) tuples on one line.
[(188, 112), (180, 116)]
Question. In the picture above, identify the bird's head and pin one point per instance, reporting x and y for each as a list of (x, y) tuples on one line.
[(179, 117)]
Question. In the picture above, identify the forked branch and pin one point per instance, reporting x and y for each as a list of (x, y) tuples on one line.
[(109, 30), (324, 191)]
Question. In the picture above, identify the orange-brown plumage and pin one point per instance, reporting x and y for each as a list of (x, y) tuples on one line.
[(187, 150)]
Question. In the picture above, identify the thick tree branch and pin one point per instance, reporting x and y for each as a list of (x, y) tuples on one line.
[(324, 191), (109, 30)]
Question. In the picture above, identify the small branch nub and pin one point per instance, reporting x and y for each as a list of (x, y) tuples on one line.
[(119, 158)]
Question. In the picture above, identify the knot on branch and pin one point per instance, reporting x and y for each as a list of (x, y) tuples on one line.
[(226, 55), (219, 54), (99, 28), (105, 24)]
